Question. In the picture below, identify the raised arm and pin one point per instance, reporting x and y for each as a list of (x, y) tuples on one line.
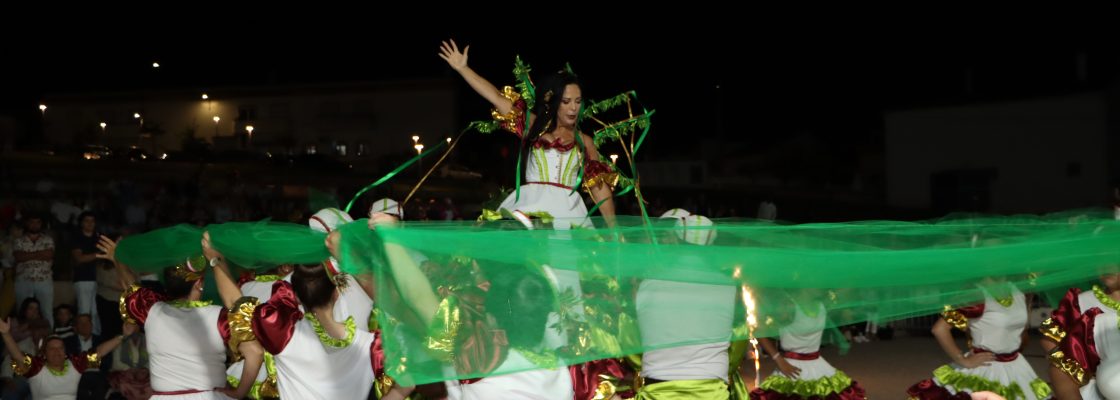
[(9, 342), (108, 346), (227, 287), (414, 285), (364, 279), (108, 249), (449, 51)]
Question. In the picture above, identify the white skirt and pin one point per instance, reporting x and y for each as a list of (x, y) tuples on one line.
[(1014, 372), (563, 204), (810, 369)]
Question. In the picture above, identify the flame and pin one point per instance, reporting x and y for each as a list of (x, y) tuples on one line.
[(752, 322)]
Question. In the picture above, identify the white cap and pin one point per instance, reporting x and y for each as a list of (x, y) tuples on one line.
[(328, 219), (676, 213), (696, 229), (388, 206)]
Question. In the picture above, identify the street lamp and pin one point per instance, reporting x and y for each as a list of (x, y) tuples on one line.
[(155, 65), (449, 140), (614, 158), (205, 96), (415, 139), (43, 108), (216, 120), (419, 149), (249, 129)]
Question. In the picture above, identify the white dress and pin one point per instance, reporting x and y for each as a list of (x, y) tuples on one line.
[(352, 301), (1106, 338), (997, 330), (672, 312), (550, 173), (535, 384), (307, 367), (817, 377), (804, 336), (186, 350)]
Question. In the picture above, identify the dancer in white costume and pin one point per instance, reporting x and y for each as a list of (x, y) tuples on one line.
[(354, 301), (316, 355), (545, 379), (1085, 364), (64, 372), (802, 372), (693, 311), (186, 337), (555, 156), (995, 328)]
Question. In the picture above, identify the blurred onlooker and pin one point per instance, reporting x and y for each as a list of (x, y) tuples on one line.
[(136, 215), (34, 259), (83, 338), (450, 211), (109, 290), (767, 211), (7, 258), (64, 211), (16, 386), (29, 311), (63, 321), (83, 251)]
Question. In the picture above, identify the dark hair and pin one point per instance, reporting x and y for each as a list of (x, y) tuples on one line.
[(312, 286), (48, 339), (27, 304), (175, 284), (520, 299), (85, 214), (28, 217), (549, 92), (66, 307)]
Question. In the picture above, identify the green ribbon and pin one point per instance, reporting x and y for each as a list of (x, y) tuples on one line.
[(391, 174)]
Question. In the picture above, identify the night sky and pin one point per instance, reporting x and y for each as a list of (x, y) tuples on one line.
[(751, 86)]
